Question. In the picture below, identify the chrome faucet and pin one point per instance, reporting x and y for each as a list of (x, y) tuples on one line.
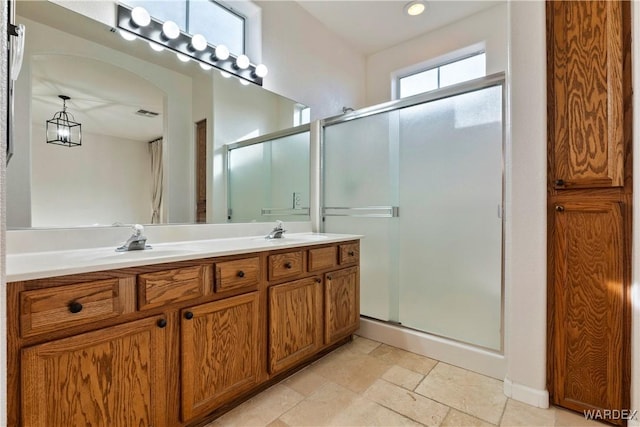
[(136, 242), (277, 232)]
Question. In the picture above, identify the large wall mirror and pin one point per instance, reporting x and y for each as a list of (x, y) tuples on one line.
[(154, 129)]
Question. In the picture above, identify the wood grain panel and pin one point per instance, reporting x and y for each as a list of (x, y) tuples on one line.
[(349, 253), (285, 265), (46, 310), (322, 258), (295, 322), (588, 285), (586, 99), (112, 377), (341, 304), (241, 273), (220, 358), (169, 286)]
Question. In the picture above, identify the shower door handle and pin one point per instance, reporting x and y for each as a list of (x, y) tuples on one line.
[(363, 211)]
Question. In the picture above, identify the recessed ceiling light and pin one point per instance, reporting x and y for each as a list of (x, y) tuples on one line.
[(414, 8)]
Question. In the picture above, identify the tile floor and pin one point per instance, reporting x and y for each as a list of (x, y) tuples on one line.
[(366, 383)]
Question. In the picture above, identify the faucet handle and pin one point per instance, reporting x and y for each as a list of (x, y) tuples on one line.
[(279, 225), (137, 229)]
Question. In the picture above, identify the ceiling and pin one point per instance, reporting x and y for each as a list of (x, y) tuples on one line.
[(370, 26)]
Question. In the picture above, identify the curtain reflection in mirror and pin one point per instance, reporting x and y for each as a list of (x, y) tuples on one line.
[(155, 148)]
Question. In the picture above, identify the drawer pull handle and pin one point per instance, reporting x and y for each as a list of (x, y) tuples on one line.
[(351, 253), (188, 315), (559, 182), (288, 265), (559, 208), (240, 273), (162, 323), (75, 307)]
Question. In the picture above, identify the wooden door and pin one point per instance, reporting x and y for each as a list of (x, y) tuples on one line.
[(342, 308), (586, 101), (201, 171), (588, 300), (111, 377), (295, 322), (220, 353)]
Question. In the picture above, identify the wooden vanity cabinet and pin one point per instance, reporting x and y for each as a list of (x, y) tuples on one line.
[(109, 377), (219, 352), (174, 344), (295, 322)]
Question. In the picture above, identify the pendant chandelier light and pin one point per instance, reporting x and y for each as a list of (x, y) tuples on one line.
[(64, 131)]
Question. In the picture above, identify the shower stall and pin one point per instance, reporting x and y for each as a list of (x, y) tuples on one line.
[(422, 179)]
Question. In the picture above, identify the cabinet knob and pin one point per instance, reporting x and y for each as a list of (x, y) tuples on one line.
[(318, 280), (287, 265), (75, 307), (188, 315), (559, 182), (328, 277), (559, 208), (162, 323), (351, 253), (240, 273)]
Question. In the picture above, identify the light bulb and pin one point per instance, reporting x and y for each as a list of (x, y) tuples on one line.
[(221, 53), (225, 74), (127, 35), (242, 62), (170, 30), (198, 42), (156, 47), (140, 16), (182, 58), (414, 8), (261, 70), (204, 66), (243, 82)]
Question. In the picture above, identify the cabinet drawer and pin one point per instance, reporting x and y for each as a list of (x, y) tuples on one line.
[(46, 310), (322, 258), (169, 286), (241, 273), (349, 253), (288, 264)]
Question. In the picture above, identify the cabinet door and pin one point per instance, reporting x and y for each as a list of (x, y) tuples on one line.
[(588, 328), (586, 105), (295, 322), (220, 352), (341, 307), (110, 377)]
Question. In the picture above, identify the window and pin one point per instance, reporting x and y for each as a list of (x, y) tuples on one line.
[(217, 23), (461, 70)]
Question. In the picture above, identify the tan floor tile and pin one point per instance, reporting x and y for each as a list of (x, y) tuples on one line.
[(261, 409), (407, 403), (319, 408), (278, 423), (406, 359), (354, 371), (566, 418), (363, 412), (456, 418), (466, 391), (403, 377), (521, 414), (305, 382), (361, 345)]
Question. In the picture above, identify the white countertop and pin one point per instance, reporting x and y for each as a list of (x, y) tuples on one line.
[(38, 265)]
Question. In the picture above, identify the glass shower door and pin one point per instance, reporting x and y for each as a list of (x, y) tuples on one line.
[(360, 192)]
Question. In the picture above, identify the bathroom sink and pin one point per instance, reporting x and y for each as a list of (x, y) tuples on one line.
[(158, 251), (294, 238)]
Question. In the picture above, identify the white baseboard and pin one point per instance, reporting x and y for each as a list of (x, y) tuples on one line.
[(528, 395), (475, 359)]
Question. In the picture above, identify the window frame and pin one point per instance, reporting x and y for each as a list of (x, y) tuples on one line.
[(433, 63)]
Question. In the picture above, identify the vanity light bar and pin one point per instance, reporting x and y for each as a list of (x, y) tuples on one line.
[(182, 44)]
